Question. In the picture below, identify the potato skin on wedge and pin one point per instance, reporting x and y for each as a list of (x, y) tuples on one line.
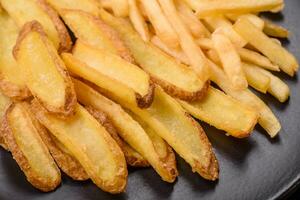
[(90, 144), (43, 70), (23, 141)]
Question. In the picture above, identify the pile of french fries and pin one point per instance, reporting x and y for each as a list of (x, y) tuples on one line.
[(122, 91)]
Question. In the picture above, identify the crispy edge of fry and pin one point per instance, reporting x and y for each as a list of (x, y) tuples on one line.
[(138, 21), (118, 182), (64, 37), (70, 96), (133, 158), (197, 109), (21, 159), (5, 103), (274, 30), (109, 32), (230, 60)]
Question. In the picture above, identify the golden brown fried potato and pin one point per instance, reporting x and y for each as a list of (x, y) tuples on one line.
[(95, 32), (11, 82), (4, 104), (89, 6), (256, 20), (90, 144), (223, 112), (23, 11), (275, 52), (43, 70), (27, 147), (186, 86), (129, 129), (121, 79), (132, 157), (274, 30)]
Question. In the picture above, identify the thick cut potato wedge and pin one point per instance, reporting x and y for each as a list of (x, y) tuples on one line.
[(4, 105), (23, 11), (255, 78), (89, 6), (43, 70), (230, 60), (96, 33), (276, 53), (188, 44), (267, 119), (90, 144), (160, 23), (161, 67), (121, 79), (274, 30), (133, 158), (218, 7), (168, 119), (128, 129), (11, 82), (223, 112), (27, 147)]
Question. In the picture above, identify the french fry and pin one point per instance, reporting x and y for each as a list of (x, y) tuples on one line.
[(193, 52), (133, 158), (175, 53), (5, 102), (168, 119), (96, 33), (276, 53), (191, 21), (138, 21), (223, 112), (160, 23), (128, 129), (231, 61), (245, 54), (27, 147), (90, 144), (274, 30), (255, 78), (43, 70), (89, 6), (186, 86), (11, 82), (121, 79), (256, 20), (219, 7), (224, 26), (23, 11), (266, 119)]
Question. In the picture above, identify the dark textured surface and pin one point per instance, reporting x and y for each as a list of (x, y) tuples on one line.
[(255, 168)]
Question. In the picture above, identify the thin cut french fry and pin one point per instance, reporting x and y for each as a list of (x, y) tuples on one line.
[(256, 20), (276, 53), (120, 8), (274, 30)]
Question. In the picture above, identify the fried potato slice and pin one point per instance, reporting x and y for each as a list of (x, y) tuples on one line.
[(120, 8), (129, 129), (133, 158), (274, 30), (89, 6), (276, 53), (121, 79), (161, 67), (168, 119), (23, 11), (24, 142), (63, 158), (223, 112), (230, 59), (267, 119), (43, 71), (90, 144), (11, 82), (255, 78), (256, 20), (188, 44), (218, 7), (5, 102), (138, 21), (162, 26), (95, 32)]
